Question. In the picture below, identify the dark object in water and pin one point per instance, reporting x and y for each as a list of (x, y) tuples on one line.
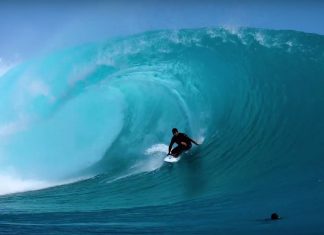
[(275, 216)]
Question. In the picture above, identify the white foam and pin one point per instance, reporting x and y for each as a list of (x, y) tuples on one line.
[(200, 139), (212, 33), (5, 66), (11, 182), (157, 148), (231, 28), (40, 88), (13, 127), (260, 38), (155, 155), (80, 74), (119, 178), (152, 162)]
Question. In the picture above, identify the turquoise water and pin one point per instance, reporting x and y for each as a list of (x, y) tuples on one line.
[(83, 134)]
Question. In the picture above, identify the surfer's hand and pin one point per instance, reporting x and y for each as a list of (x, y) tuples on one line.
[(184, 144)]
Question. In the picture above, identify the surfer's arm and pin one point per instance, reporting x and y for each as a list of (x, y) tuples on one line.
[(171, 144), (188, 139), (193, 141)]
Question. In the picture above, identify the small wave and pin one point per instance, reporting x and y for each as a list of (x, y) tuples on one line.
[(15, 184)]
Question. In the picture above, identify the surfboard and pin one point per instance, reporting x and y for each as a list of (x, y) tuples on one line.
[(171, 159)]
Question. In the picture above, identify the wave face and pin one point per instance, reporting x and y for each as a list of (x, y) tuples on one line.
[(100, 115)]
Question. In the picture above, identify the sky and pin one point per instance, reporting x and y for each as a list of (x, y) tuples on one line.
[(36, 27)]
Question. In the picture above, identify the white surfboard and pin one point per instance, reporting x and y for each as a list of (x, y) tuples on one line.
[(171, 159)]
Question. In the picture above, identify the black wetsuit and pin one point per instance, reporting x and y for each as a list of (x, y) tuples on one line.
[(180, 148)]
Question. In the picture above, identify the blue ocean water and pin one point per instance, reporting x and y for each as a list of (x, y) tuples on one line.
[(83, 134)]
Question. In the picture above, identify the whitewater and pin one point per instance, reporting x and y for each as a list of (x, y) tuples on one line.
[(84, 130)]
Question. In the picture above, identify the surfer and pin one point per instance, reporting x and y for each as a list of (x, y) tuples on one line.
[(183, 141)]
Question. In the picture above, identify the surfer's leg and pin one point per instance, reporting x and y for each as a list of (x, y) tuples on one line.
[(187, 147), (176, 151)]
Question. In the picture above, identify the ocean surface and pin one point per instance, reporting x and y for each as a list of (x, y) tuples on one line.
[(84, 130)]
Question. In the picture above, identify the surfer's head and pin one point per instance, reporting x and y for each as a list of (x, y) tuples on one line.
[(275, 216), (175, 131)]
